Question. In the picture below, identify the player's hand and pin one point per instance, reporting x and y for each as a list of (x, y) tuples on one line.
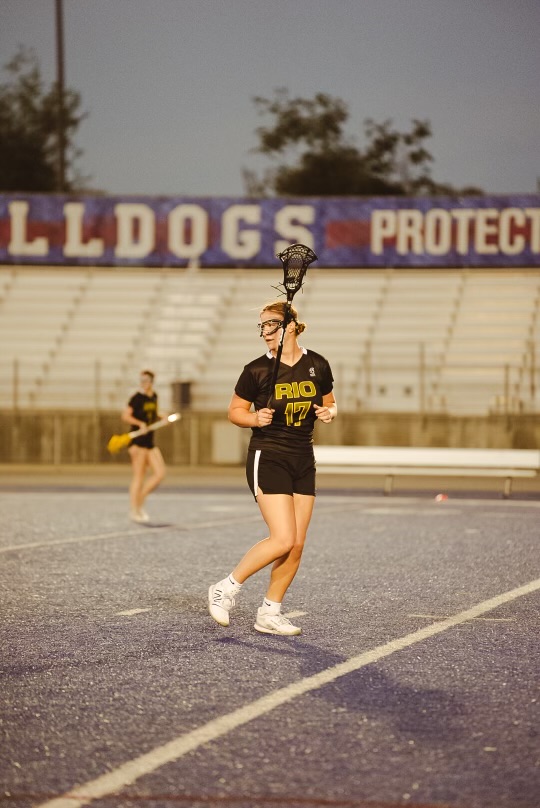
[(264, 416), (324, 414), (144, 428)]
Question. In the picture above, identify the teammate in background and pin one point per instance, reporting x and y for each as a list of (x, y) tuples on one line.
[(141, 411), (280, 466)]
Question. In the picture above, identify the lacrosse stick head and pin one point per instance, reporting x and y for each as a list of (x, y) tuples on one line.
[(295, 260), (119, 442)]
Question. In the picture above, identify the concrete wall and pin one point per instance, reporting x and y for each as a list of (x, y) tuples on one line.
[(208, 439)]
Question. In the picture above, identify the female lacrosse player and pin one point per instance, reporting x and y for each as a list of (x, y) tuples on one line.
[(280, 465), (140, 412)]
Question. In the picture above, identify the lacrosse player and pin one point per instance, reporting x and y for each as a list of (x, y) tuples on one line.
[(140, 412), (280, 466)]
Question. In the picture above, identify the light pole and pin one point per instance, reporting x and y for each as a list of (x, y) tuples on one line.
[(61, 127)]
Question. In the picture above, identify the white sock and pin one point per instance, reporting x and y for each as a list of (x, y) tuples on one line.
[(270, 607), (230, 584)]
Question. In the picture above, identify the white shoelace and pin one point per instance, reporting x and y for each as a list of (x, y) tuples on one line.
[(280, 619), (223, 600)]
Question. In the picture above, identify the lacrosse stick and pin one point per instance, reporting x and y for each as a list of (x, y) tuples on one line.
[(295, 260), (119, 442)]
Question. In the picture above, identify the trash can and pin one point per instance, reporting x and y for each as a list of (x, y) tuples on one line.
[(181, 395)]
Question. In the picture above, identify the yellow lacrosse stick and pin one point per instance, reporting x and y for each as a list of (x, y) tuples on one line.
[(119, 442)]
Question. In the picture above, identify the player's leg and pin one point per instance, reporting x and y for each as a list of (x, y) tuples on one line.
[(285, 568), (156, 463), (278, 513), (270, 619), (271, 484), (138, 457)]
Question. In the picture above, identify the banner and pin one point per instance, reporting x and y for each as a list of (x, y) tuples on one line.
[(489, 231)]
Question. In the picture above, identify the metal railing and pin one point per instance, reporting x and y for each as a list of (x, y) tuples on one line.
[(420, 387)]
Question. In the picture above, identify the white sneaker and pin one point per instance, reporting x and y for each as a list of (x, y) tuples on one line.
[(220, 603), (275, 624), (141, 517)]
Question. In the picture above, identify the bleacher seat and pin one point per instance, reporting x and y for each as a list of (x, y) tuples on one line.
[(397, 340)]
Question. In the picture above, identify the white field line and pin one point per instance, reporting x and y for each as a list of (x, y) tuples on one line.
[(131, 612), (70, 540), (487, 619), (120, 534), (131, 771), (141, 531)]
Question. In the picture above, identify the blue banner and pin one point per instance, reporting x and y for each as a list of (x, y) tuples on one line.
[(489, 231)]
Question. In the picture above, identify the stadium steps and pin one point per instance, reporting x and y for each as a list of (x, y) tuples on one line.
[(66, 331)]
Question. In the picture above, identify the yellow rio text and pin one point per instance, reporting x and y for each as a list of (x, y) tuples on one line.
[(295, 390)]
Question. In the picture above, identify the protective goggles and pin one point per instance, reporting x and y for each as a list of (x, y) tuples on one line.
[(269, 327)]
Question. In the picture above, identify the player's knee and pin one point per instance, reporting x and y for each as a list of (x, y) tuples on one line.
[(295, 554), (297, 550), (284, 543)]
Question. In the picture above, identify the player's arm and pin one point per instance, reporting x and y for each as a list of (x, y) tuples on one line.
[(240, 414), (328, 411), (128, 418)]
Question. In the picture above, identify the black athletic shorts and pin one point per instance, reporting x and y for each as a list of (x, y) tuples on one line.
[(277, 473), (146, 441)]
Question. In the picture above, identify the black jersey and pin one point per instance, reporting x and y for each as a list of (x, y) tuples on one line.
[(144, 409), (297, 388)]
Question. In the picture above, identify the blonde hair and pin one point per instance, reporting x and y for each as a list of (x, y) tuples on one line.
[(280, 307)]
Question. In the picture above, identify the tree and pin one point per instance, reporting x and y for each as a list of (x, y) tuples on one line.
[(29, 115), (317, 158)]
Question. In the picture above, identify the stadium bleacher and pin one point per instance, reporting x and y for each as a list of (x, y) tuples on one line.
[(457, 341)]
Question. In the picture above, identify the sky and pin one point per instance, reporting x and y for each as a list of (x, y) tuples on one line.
[(168, 85)]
